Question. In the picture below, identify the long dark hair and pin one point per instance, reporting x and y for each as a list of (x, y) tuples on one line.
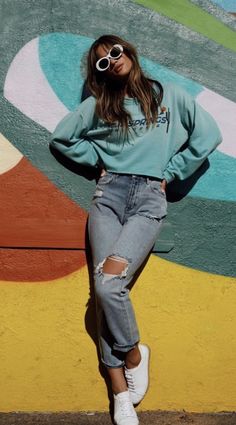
[(110, 93)]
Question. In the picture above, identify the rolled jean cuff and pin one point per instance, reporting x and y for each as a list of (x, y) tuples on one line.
[(124, 348), (113, 366)]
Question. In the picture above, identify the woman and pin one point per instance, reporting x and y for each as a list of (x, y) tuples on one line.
[(142, 136)]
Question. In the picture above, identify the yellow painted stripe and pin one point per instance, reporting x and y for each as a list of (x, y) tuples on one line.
[(48, 360)]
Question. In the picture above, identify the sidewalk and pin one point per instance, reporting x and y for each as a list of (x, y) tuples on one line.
[(94, 418)]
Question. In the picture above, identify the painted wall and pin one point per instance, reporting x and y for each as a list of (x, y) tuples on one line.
[(185, 298)]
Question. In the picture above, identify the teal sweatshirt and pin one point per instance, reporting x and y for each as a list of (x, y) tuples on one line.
[(174, 147)]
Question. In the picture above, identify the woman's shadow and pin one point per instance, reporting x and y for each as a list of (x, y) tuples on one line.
[(90, 174)]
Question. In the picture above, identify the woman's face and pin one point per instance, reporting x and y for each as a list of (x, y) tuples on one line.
[(118, 68)]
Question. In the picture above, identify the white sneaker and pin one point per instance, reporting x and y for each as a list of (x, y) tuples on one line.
[(124, 413), (137, 378)]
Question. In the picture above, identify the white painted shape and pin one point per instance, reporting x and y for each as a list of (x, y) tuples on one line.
[(223, 111), (9, 155), (29, 91)]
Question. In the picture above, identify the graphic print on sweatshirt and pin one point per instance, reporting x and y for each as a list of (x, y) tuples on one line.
[(137, 127), (163, 118)]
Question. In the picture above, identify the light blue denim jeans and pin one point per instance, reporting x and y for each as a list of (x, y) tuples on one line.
[(125, 219)]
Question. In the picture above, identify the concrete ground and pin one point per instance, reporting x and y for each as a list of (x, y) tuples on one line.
[(94, 418)]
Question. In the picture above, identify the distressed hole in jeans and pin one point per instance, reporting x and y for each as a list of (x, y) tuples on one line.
[(98, 193), (112, 267), (152, 217)]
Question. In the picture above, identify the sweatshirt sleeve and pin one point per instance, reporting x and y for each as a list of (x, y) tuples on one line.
[(203, 137), (70, 135)]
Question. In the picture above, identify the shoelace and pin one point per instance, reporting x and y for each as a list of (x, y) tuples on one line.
[(130, 381), (126, 408)]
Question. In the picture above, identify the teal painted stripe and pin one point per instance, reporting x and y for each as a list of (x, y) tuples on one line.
[(61, 58), (219, 181), (163, 74)]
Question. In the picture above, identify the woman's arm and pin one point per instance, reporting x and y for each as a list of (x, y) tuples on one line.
[(204, 137), (69, 137)]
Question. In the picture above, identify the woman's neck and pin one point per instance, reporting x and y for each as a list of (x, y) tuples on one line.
[(127, 92)]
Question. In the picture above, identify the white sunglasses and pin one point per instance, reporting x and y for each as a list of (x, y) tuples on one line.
[(114, 53)]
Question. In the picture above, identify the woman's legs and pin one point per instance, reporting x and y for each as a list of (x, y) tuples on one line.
[(119, 249), (114, 274), (133, 356)]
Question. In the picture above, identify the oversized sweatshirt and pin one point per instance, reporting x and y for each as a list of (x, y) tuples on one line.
[(174, 147)]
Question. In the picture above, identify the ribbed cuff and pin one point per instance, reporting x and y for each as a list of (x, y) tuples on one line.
[(168, 176)]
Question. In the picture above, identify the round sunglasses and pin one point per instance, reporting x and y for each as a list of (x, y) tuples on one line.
[(114, 53)]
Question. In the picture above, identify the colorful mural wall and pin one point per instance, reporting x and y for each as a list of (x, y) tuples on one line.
[(185, 298)]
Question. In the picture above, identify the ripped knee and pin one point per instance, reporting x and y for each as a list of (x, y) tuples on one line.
[(113, 266)]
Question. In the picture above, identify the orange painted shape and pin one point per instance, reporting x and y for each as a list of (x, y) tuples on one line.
[(34, 213), (42, 233), (35, 265)]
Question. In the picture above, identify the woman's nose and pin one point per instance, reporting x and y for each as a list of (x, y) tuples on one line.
[(113, 62)]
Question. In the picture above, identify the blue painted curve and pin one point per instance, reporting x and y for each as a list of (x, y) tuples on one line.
[(228, 5)]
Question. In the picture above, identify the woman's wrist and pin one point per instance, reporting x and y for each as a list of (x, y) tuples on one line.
[(103, 172), (163, 184)]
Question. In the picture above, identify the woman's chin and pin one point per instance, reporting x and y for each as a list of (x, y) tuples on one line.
[(122, 75)]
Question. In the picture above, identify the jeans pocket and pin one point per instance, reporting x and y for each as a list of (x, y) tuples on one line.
[(105, 179), (102, 183), (155, 186)]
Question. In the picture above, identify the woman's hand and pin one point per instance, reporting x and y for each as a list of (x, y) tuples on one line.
[(103, 172), (163, 185)]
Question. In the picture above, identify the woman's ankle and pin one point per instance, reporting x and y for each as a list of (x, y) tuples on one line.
[(133, 358), (119, 389), (118, 381)]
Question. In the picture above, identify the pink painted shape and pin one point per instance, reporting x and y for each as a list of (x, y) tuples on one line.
[(29, 91), (224, 112)]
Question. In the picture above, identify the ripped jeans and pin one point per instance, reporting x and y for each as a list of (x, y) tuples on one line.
[(125, 219)]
